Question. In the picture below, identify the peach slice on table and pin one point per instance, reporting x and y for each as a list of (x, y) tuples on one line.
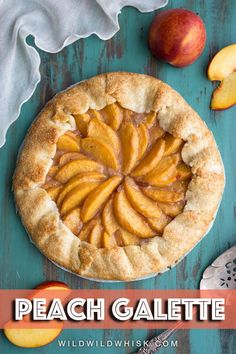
[(130, 146), (75, 167), (35, 337), (163, 195), (68, 143), (76, 196), (82, 121), (143, 140), (172, 209), (100, 130), (172, 144), (95, 236), (101, 151), (42, 291), (222, 67), (53, 285), (32, 338), (127, 238), (164, 173), (72, 220), (54, 192), (139, 201), (222, 64), (129, 218), (224, 96), (113, 115), (78, 179), (108, 240), (108, 219), (151, 160), (98, 197), (158, 224), (69, 156)]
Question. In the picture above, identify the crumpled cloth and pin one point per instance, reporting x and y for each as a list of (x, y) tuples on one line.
[(54, 25)]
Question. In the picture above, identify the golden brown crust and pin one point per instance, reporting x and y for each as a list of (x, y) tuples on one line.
[(40, 215)]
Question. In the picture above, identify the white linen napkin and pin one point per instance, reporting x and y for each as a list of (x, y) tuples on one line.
[(54, 25)]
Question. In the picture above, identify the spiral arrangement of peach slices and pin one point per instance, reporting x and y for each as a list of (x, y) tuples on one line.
[(119, 178)]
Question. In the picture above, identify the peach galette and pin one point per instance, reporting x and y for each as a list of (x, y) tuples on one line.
[(118, 178)]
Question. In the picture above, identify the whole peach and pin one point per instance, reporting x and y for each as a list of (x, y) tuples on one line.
[(177, 36)]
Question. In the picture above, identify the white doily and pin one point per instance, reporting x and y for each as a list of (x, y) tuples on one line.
[(54, 25)]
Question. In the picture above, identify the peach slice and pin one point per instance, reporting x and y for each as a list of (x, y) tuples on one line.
[(52, 171), (223, 63), (82, 121), (54, 192), (72, 134), (164, 173), (86, 230), (72, 221), (180, 186), (224, 96), (164, 179), (75, 167), (108, 218), (151, 160), (140, 202), (69, 156), (101, 151), (128, 218), (98, 197), (113, 115), (100, 130), (156, 132), (78, 179), (172, 144), (53, 285), (127, 238), (95, 114), (75, 197), (68, 143), (163, 195), (143, 140), (108, 241), (172, 209), (158, 224), (50, 183), (130, 146), (150, 119), (95, 236), (32, 338), (183, 172), (35, 337)]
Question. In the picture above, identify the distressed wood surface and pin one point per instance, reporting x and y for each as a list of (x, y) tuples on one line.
[(22, 266)]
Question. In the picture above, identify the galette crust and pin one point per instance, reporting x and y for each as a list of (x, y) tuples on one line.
[(40, 215)]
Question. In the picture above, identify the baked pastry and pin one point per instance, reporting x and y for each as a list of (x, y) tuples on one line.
[(118, 178)]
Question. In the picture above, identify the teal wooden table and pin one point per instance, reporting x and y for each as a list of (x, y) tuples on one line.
[(22, 266)]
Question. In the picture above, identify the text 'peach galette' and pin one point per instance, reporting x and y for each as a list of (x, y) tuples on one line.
[(118, 178)]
